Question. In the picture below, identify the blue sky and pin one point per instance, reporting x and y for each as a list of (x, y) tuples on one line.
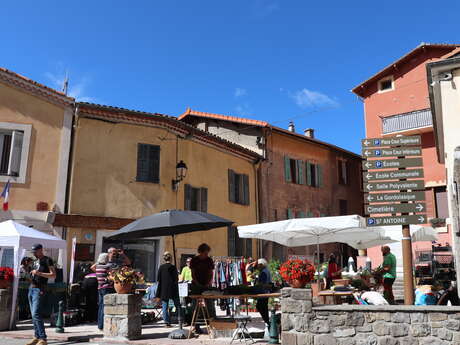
[(272, 60)]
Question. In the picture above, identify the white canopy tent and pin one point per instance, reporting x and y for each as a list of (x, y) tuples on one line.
[(21, 238)]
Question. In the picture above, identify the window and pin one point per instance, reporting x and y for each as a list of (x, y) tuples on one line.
[(196, 199), (14, 150), (342, 171), (238, 246), (386, 84), (314, 174), (343, 207), (148, 163), (238, 188), (442, 210)]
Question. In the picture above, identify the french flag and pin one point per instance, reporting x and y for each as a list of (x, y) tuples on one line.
[(5, 194)]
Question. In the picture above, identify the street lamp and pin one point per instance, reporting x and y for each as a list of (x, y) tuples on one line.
[(181, 172)]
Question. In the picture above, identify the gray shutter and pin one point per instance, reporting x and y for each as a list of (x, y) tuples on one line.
[(245, 189), (319, 176), (187, 197), (248, 253), (300, 174), (154, 157), (308, 168), (142, 163), (204, 200), (287, 169), (15, 153), (231, 185), (231, 240)]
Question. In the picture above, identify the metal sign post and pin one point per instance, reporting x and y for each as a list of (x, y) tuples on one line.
[(402, 205)]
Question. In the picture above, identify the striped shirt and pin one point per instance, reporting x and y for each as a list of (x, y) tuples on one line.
[(102, 272)]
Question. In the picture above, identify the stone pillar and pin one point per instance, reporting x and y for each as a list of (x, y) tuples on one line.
[(122, 317), (296, 308), (5, 309)]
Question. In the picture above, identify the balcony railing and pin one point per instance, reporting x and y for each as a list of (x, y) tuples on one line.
[(407, 121)]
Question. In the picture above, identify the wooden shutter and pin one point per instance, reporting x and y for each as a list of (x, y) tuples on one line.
[(231, 240), (15, 154), (319, 176), (301, 214), (204, 199), (231, 185), (308, 168), (344, 172), (290, 213), (142, 163), (187, 197), (287, 169), (300, 174), (248, 248), (245, 189), (309, 214), (154, 157)]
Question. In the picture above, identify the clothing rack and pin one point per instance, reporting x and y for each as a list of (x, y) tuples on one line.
[(222, 258)]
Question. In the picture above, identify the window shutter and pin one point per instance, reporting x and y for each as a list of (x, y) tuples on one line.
[(231, 240), (154, 157), (231, 185), (301, 214), (308, 168), (187, 197), (142, 163), (248, 253), (287, 169), (300, 174), (204, 200), (15, 154), (344, 172), (245, 190), (319, 176), (290, 214), (309, 214)]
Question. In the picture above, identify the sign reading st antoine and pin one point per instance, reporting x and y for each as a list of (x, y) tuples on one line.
[(386, 169)]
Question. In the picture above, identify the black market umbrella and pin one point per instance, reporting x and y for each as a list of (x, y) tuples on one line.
[(170, 223)]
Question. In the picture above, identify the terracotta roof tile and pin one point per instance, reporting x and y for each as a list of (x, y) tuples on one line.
[(190, 112)]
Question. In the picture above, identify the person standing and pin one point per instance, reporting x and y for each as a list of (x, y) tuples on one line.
[(389, 274), (105, 286), (168, 288), (333, 271), (186, 274), (263, 280), (202, 267), (43, 269)]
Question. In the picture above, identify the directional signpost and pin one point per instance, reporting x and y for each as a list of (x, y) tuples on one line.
[(385, 169)]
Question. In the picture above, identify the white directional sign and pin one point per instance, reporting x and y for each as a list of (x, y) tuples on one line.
[(392, 174), (396, 220), (395, 208), (392, 141), (392, 152), (394, 197), (397, 185), (392, 163)]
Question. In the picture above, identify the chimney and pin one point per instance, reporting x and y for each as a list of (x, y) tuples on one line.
[(309, 132), (291, 127)]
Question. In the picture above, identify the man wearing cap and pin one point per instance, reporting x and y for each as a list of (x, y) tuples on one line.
[(168, 288), (43, 270), (263, 280)]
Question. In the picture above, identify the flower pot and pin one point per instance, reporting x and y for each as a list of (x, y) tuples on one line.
[(298, 283), (5, 284), (123, 289)]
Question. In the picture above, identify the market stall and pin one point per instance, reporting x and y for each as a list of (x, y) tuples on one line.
[(21, 238)]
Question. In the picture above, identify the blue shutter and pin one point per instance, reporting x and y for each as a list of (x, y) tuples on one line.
[(301, 214), (287, 169), (308, 168), (319, 175), (300, 174), (290, 214)]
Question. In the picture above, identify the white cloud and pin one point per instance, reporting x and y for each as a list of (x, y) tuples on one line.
[(243, 109), (307, 98), (240, 92), (77, 87)]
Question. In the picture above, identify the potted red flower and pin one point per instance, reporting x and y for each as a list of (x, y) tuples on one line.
[(6, 277), (297, 272)]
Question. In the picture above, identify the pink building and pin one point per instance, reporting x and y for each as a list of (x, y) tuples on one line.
[(396, 102)]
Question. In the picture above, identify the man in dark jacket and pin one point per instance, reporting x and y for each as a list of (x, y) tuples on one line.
[(168, 288)]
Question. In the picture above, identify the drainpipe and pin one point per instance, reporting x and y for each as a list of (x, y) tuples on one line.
[(256, 167), (454, 191), (71, 161)]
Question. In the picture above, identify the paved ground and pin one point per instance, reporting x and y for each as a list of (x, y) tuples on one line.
[(154, 333)]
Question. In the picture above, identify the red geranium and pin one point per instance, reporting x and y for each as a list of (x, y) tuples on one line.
[(6, 273), (297, 269)]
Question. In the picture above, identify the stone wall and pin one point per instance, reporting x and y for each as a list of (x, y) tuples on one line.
[(122, 317), (305, 324), (5, 309)]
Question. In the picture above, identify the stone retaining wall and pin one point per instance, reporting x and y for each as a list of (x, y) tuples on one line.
[(122, 317), (5, 309), (305, 324)]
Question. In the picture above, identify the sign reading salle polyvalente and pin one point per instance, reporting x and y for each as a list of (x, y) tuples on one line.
[(381, 155)]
